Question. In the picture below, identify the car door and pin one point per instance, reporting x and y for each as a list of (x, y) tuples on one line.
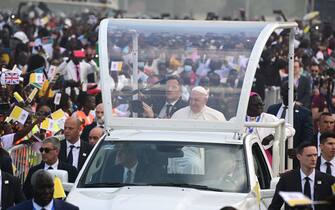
[(262, 172)]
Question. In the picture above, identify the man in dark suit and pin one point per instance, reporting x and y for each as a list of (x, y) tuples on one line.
[(43, 190), (73, 150), (50, 151), (302, 116), (6, 161), (325, 124), (172, 103), (303, 86), (314, 184), (128, 168), (326, 161), (11, 190), (98, 122)]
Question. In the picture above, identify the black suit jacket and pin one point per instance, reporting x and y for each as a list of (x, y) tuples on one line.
[(6, 164), (84, 135), (302, 123), (84, 151), (318, 163), (71, 170), (291, 182), (58, 204), (159, 104), (142, 174), (11, 191), (304, 91)]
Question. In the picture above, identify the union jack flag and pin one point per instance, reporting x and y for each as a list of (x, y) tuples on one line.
[(12, 78)]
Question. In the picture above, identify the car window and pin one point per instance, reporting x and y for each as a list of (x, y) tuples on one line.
[(261, 167), (205, 166)]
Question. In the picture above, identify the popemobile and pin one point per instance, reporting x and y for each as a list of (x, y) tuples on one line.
[(149, 159)]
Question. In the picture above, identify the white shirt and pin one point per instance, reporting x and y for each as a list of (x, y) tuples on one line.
[(75, 152), (69, 70), (54, 166), (162, 113), (311, 182), (206, 113), (280, 111), (133, 172), (87, 68), (323, 165), (47, 207), (7, 141)]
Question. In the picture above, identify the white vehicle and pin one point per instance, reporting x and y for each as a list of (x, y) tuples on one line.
[(180, 164)]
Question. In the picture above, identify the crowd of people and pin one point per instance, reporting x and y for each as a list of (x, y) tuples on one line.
[(50, 87)]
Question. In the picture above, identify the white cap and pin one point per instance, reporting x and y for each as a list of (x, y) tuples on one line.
[(200, 90), (21, 36)]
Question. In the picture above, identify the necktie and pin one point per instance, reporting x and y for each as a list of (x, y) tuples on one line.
[(328, 170), (77, 73), (43, 209), (168, 110), (50, 168), (307, 187), (70, 155), (283, 114), (128, 178)]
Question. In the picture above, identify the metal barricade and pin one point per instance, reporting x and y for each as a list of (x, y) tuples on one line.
[(23, 158)]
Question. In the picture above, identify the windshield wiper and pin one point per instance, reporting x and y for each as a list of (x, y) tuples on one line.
[(199, 187), (110, 184)]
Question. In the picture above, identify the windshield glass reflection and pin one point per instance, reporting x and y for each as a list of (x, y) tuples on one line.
[(203, 166)]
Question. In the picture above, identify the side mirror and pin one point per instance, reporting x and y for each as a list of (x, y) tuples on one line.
[(274, 182), (63, 176)]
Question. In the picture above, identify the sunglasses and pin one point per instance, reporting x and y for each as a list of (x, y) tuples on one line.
[(46, 150)]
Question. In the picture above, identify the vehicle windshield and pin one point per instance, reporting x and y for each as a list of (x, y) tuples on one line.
[(216, 167), (213, 55)]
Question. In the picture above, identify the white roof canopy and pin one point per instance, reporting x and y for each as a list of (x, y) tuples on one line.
[(189, 48)]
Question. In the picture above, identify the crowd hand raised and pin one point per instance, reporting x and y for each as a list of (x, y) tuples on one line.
[(148, 112)]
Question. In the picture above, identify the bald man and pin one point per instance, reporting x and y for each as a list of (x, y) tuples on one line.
[(98, 122), (197, 110), (73, 150), (94, 136)]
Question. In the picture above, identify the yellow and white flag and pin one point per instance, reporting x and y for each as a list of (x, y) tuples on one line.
[(18, 114), (44, 89), (257, 191), (50, 125), (295, 198), (32, 95), (116, 66), (36, 79), (59, 189), (18, 97), (59, 116)]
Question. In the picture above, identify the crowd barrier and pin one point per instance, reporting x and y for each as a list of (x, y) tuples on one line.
[(23, 157)]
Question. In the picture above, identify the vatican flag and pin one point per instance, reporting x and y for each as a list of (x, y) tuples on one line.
[(59, 190)]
